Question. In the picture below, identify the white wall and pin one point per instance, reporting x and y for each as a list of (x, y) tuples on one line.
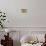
[(36, 16), (16, 18), (38, 13)]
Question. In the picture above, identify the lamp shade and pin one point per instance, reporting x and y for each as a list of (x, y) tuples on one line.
[(7, 30)]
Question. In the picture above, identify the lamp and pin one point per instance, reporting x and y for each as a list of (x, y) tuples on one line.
[(7, 31)]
